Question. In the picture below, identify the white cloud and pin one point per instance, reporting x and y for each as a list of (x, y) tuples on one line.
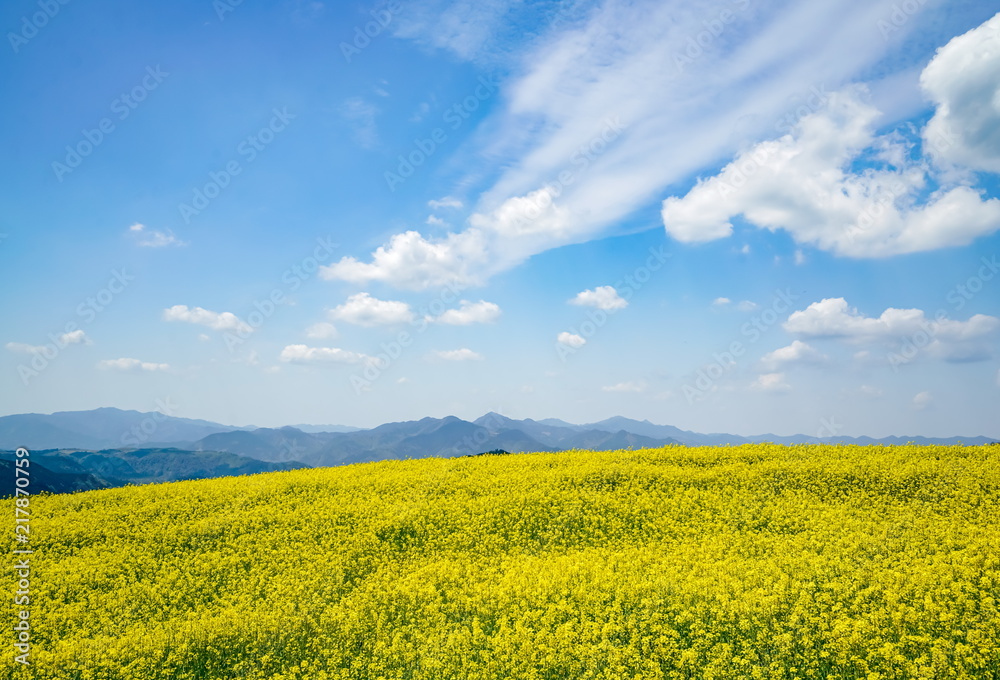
[(446, 202), (152, 238), (23, 347), (203, 337), (435, 221), (800, 257), (804, 184), (469, 313), (363, 310), (870, 391), (73, 337), (963, 80), (571, 340), (361, 116), (411, 261), (303, 354), (743, 306), (771, 382), (832, 317), (126, 364), (495, 241), (630, 386), (922, 400), (796, 353), (580, 68), (76, 337), (602, 297), (322, 331), (909, 329), (218, 321), (463, 354)]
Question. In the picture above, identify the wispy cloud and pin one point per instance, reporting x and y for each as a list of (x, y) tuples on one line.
[(360, 114), (131, 365)]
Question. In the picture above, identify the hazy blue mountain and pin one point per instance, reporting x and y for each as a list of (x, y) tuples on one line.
[(313, 429), (110, 447), (78, 470), (100, 428)]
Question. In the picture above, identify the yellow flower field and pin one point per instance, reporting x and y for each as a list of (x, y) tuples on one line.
[(757, 561)]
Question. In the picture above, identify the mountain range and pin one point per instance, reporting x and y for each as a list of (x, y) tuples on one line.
[(111, 447)]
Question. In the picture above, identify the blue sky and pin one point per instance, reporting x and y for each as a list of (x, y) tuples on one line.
[(727, 216)]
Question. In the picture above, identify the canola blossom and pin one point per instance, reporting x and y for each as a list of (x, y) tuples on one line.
[(758, 561)]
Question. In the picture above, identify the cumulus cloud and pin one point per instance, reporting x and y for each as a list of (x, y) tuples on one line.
[(602, 297), (463, 354), (629, 386), (909, 329), (153, 238), (76, 337), (771, 382), (131, 365), (495, 241), (963, 80), (922, 400), (721, 302), (805, 183), (796, 353), (218, 321), (303, 354), (321, 331), (364, 310), (833, 317), (411, 261), (571, 340), (469, 313)]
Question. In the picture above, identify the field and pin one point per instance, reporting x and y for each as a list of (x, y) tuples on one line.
[(756, 561)]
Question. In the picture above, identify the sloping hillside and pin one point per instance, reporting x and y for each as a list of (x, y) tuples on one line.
[(758, 561)]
